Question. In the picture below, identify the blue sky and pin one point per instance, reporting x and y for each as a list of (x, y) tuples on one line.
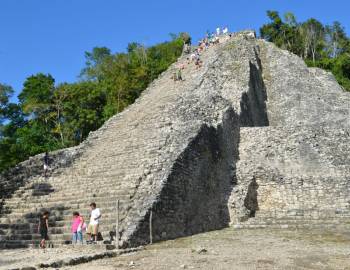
[(51, 36)]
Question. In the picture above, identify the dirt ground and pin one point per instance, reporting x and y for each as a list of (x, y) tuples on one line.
[(239, 249)]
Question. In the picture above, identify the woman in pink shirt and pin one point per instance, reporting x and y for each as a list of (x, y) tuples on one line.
[(77, 228)]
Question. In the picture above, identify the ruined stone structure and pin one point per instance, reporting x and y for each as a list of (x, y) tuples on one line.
[(253, 138), (295, 172)]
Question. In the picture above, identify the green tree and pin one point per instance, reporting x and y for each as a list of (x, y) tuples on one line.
[(6, 92), (341, 70), (95, 60), (11, 119), (36, 96), (336, 40), (272, 31), (82, 110), (284, 34), (313, 35), (326, 47)]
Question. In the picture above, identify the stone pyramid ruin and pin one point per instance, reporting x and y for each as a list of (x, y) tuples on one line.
[(253, 138)]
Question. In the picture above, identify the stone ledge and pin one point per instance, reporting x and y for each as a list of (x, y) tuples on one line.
[(75, 260)]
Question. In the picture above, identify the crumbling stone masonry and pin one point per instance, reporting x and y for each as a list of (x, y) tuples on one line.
[(299, 165), (253, 138)]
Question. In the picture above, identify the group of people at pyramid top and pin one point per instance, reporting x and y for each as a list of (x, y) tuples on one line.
[(211, 38)]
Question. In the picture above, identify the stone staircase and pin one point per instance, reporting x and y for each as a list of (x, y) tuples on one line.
[(253, 138), (124, 160)]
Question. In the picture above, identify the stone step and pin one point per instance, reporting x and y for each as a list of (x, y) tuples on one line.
[(58, 215), (34, 209), (105, 207), (36, 236), (322, 215), (52, 236), (83, 190), (105, 228), (64, 217), (96, 193), (52, 201), (54, 209), (294, 222), (33, 217), (300, 221), (31, 223), (33, 228), (56, 228), (105, 182), (288, 225), (64, 234), (15, 244), (18, 218)]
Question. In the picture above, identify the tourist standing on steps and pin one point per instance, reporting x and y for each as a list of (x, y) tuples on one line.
[(179, 75), (179, 71), (77, 228), (95, 216), (187, 48), (43, 228), (198, 61), (46, 164)]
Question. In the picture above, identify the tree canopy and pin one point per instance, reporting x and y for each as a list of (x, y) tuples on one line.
[(324, 46)]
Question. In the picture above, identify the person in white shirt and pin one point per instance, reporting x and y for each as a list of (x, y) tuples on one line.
[(225, 30), (95, 216), (218, 31)]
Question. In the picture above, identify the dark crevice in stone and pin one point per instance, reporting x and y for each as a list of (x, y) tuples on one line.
[(254, 114), (253, 103)]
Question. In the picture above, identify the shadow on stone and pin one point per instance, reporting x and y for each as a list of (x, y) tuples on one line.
[(253, 103), (194, 198), (41, 189)]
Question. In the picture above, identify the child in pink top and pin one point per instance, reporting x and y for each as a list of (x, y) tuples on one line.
[(77, 228)]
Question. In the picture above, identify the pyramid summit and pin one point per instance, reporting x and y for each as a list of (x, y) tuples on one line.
[(252, 138)]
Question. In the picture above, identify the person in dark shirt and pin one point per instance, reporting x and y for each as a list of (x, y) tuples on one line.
[(46, 163), (43, 228)]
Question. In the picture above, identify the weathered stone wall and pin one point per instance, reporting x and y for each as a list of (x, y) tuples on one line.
[(298, 95), (297, 173), (297, 170), (193, 199)]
